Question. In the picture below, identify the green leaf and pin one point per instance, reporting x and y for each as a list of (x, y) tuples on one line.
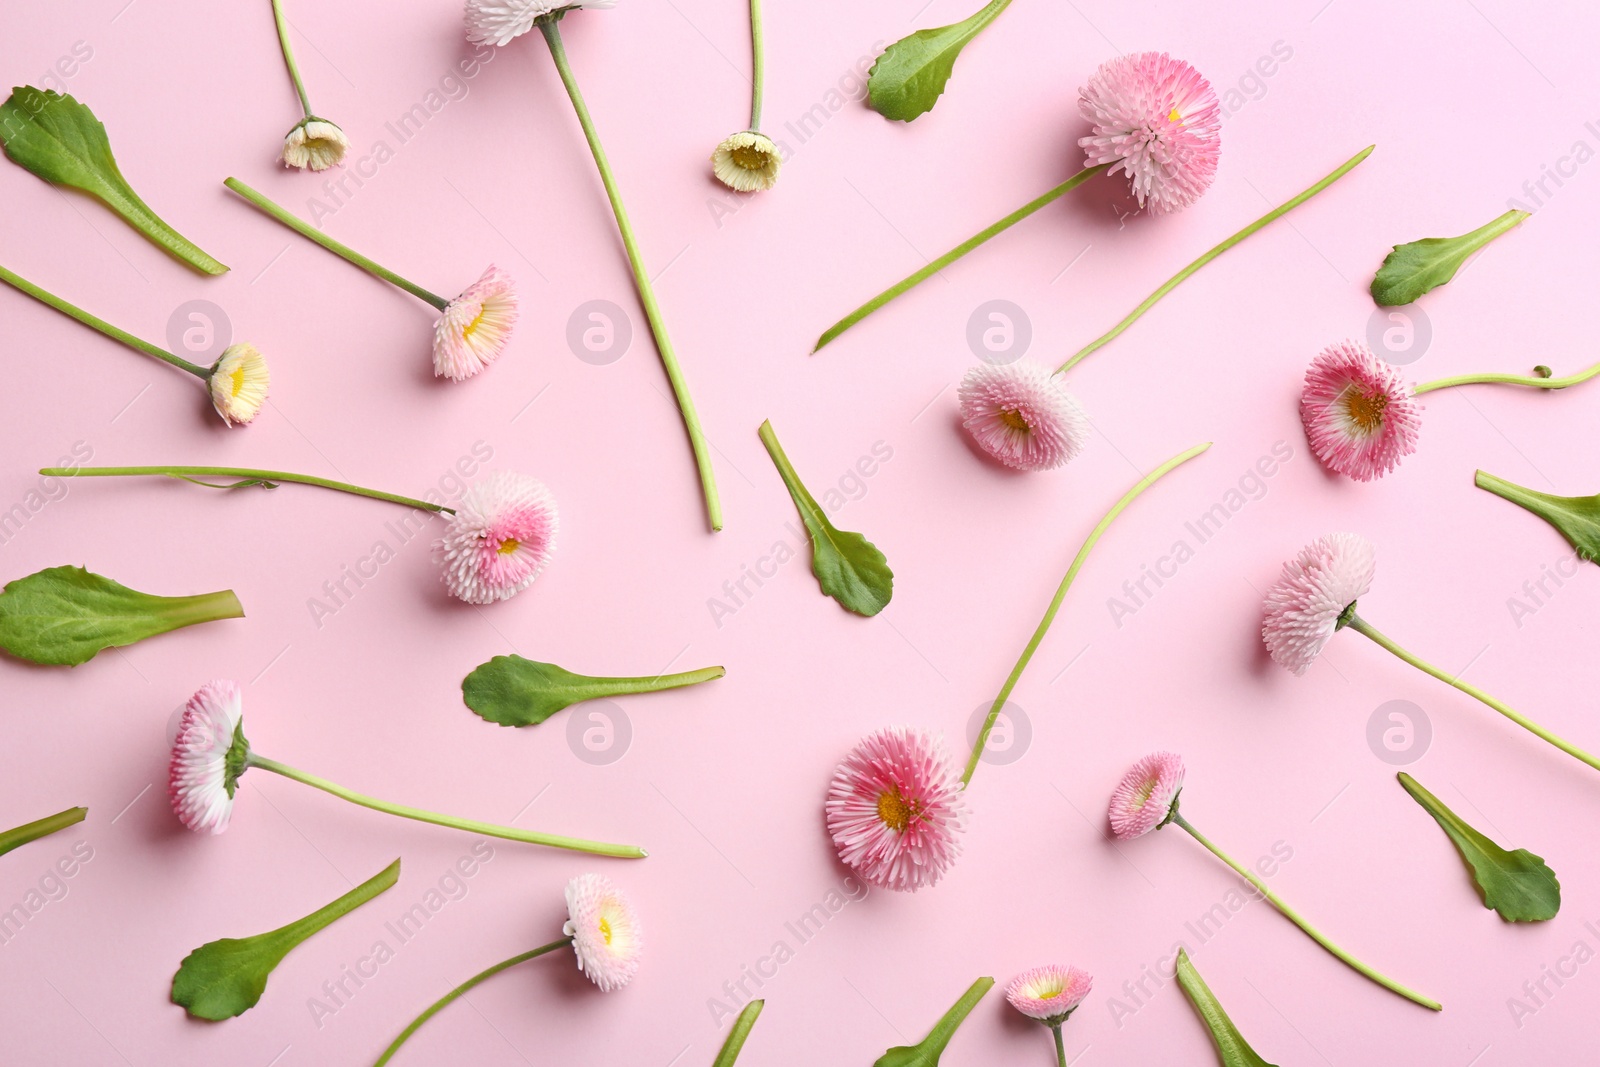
[(848, 567), (1412, 269), (63, 616), (926, 1053), (908, 79), (1576, 517), (225, 978), (1517, 885), (1231, 1045), (21, 835), (62, 142), (513, 691), (736, 1037)]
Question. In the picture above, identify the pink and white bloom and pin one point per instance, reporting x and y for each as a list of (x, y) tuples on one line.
[(500, 538), (605, 931), (476, 326), (208, 755), (1156, 120), (1360, 413), (1049, 993), (238, 384), (894, 808), (1315, 597), (1147, 796), (499, 22), (1021, 414)]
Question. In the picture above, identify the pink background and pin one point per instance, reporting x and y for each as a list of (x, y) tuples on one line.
[(724, 783)]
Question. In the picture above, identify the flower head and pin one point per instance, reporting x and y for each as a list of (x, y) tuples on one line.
[(474, 328), (1049, 993), (1156, 120), (894, 808), (605, 931), (1147, 796), (499, 539), (747, 162), (209, 754), (1315, 597), (314, 143), (499, 22), (1022, 415), (1360, 414), (238, 383)]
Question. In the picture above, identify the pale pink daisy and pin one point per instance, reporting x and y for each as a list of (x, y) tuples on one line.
[(1156, 120), (894, 808), (1147, 796), (1360, 413), (1316, 597), (474, 329), (208, 755), (499, 22), (605, 931), (1021, 414), (238, 383), (1049, 993), (501, 536)]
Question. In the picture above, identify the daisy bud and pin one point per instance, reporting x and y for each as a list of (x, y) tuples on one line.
[(747, 162), (1157, 121), (1147, 797), (238, 382), (1049, 993), (1316, 597), (500, 538), (894, 808), (605, 932), (475, 327), (314, 143), (1021, 414)]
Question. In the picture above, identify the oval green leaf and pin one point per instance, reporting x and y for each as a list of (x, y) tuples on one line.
[(910, 76), (1412, 269), (513, 691), (1234, 1050)]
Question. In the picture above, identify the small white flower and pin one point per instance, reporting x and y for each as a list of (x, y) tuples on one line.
[(747, 162), (499, 22), (314, 143), (605, 931), (239, 382)]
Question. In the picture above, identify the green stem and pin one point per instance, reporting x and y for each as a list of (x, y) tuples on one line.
[(933, 1046), (736, 1037), (641, 279), (954, 254), (324, 917), (791, 478), (288, 56), (21, 835), (657, 683), (455, 993), (1061, 593), (758, 65), (1293, 916), (305, 229), (248, 477), (1061, 1048), (16, 281), (1172, 283), (1532, 381), (181, 611), (509, 833), (1363, 627)]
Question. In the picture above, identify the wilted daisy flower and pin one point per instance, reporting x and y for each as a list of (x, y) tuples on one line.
[(1156, 120), (1021, 414), (1311, 601), (894, 808), (238, 383), (1359, 412), (605, 931), (499, 22), (314, 143), (1049, 993), (747, 162), (499, 539), (474, 329), (208, 755), (1147, 796)]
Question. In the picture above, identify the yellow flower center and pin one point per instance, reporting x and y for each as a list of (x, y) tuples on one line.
[(1366, 412), (1142, 796), (605, 929), (1173, 116), (749, 157), (1051, 992), (508, 546), (472, 327), (236, 382), (1012, 419), (894, 812)]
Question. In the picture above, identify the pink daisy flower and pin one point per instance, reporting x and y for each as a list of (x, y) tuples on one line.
[(1147, 796), (1315, 597), (1360, 413), (500, 538), (1156, 120), (474, 328), (208, 755), (1049, 993), (1021, 414), (894, 808), (605, 932)]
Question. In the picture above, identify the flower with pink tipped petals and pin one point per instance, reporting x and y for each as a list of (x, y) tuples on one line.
[(500, 538), (499, 22), (605, 932), (1021, 414), (1147, 796), (1309, 604), (894, 808), (208, 755), (1049, 993), (1360, 414), (1156, 120), (474, 329)]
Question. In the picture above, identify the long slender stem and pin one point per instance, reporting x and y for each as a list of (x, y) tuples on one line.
[(455, 993), (21, 835), (658, 683), (1173, 282), (16, 281), (248, 477), (955, 253), (1531, 381), (641, 278), (1061, 593), (1293, 916), (471, 826), (305, 229), (288, 56), (738, 1035), (758, 64), (1363, 627), (1061, 1048)]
